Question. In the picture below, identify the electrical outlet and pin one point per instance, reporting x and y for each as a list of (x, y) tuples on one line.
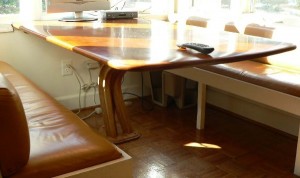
[(65, 68)]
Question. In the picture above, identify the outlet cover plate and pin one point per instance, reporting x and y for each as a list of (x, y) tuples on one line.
[(65, 69)]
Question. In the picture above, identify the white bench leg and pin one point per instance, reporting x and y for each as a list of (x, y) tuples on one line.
[(297, 162), (201, 105)]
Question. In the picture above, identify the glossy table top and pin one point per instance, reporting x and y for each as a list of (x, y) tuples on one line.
[(140, 44)]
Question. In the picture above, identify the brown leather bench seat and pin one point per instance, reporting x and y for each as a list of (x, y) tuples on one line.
[(265, 75), (40, 137), (279, 72)]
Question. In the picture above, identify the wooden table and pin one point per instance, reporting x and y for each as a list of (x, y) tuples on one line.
[(143, 45)]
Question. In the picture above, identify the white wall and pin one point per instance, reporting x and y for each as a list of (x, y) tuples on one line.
[(41, 62)]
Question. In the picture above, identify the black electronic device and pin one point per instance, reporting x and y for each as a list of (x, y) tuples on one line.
[(118, 14), (205, 49)]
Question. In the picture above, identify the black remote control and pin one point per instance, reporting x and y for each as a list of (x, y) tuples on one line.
[(205, 49)]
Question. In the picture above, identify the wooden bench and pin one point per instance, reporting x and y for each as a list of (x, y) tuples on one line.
[(272, 81), (41, 138)]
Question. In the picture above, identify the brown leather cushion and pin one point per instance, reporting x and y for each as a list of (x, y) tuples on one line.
[(231, 27), (258, 30), (14, 142), (197, 21), (269, 76), (60, 141)]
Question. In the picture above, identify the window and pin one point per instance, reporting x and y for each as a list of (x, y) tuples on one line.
[(278, 11), (275, 12), (9, 7)]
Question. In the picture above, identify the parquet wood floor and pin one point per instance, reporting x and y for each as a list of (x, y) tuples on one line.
[(227, 147)]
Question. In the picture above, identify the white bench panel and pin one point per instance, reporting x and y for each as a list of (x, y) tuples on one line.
[(278, 100)]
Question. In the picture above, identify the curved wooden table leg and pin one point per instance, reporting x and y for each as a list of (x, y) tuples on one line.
[(113, 106), (106, 102)]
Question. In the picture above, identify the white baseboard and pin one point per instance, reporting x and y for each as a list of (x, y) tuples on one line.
[(72, 101)]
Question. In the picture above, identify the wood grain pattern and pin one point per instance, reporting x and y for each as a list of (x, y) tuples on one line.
[(245, 149), (142, 44), (112, 104)]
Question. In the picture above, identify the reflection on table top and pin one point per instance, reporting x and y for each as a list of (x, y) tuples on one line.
[(140, 44)]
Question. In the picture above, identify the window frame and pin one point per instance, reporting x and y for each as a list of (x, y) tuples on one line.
[(243, 10)]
